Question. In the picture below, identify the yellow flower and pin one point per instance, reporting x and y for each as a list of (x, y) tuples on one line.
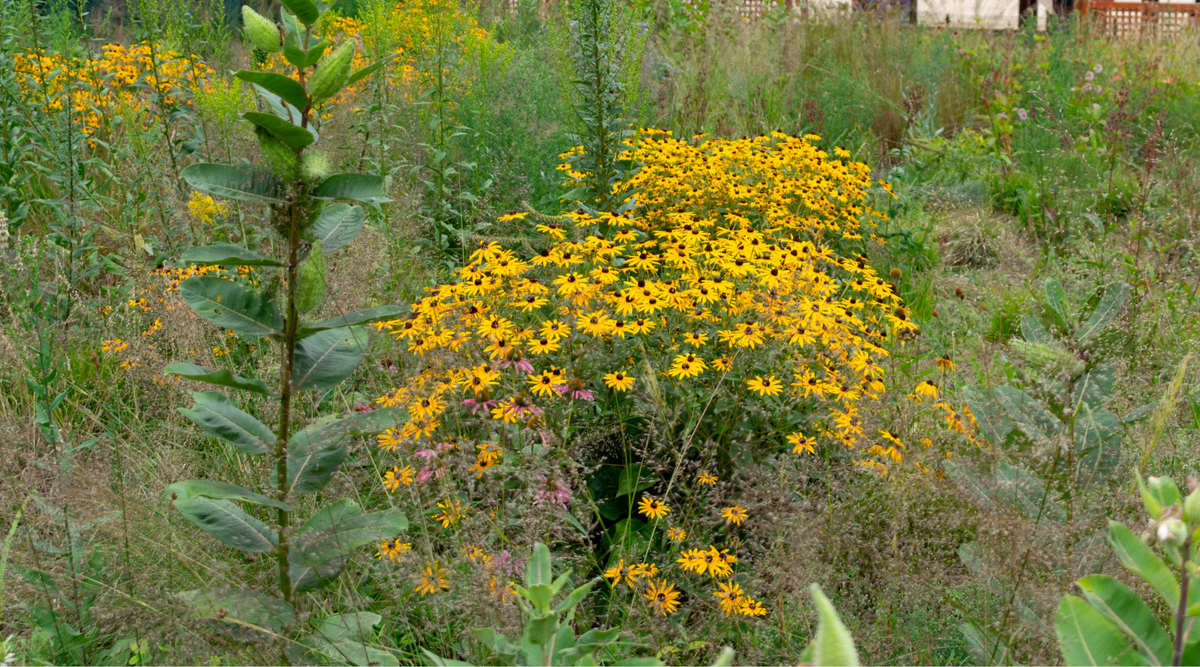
[(397, 476), (926, 389), (511, 216), (618, 381), (392, 549), (451, 512), (751, 607), (652, 507), (734, 515), (662, 597), (730, 596), (720, 563), (542, 385), (693, 560), (676, 534), (765, 386), (619, 573), (433, 579), (706, 478), (801, 444), (945, 364)]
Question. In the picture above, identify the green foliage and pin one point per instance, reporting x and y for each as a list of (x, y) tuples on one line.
[(1111, 624), (549, 637), (312, 358)]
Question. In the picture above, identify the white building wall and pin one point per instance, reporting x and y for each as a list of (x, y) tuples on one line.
[(992, 14)]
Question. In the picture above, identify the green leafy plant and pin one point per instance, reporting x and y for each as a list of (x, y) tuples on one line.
[(314, 213), (832, 645), (549, 637), (1110, 624), (1053, 437)]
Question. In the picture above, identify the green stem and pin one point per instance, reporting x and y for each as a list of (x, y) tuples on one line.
[(1181, 615)]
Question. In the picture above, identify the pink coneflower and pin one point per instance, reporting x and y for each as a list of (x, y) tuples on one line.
[(520, 365), (425, 475), (427, 454), (520, 405), (552, 492), (477, 404), (507, 564), (574, 389)]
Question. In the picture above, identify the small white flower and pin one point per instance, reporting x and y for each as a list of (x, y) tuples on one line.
[(1098, 69)]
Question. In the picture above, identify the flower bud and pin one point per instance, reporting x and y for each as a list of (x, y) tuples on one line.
[(1191, 507), (331, 72), (310, 280), (262, 31), (1172, 532)]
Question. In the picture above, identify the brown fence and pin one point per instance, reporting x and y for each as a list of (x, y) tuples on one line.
[(1139, 19)]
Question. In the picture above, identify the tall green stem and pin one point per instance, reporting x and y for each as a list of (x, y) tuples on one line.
[(1181, 614)]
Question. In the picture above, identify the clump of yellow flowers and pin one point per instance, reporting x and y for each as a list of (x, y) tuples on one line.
[(733, 266)]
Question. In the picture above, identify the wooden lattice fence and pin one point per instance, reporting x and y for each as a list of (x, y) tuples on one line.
[(1139, 19)]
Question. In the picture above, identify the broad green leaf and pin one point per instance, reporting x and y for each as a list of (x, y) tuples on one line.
[(226, 254), (364, 188), (232, 306), (338, 225), (349, 652), (439, 661), (1023, 490), (1055, 298), (214, 413), (635, 478), (1108, 308), (1139, 413), (326, 358), (278, 106), (284, 87), (1159, 492), (247, 608), (1086, 637), (347, 535), (1034, 331), (358, 317), (228, 524), (315, 452), (725, 659), (313, 54), (1128, 612), (1034, 421), (969, 481), (1138, 559), (1095, 386), (199, 488), (312, 577), (574, 598), (995, 425), (249, 184), (293, 135), (222, 377), (541, 630), (539, 569), (356, 626), (292, 51), (832, 646), (305, 11), (1097, 443)]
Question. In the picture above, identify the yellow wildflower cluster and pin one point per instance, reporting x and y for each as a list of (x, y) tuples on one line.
[(730, 246), (96, 84), (206, 209)]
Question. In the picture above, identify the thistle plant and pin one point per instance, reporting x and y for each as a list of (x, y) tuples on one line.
[(1112, 625), (313, 213)]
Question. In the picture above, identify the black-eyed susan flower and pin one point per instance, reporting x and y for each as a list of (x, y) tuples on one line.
[(694, 560), (397, 476), (767, 386), (706, 478), (432, 579), (801, 444), (392, 549), (619, 573), (676, 534), (751, 607), (945, 364), (652, 508), (662, 597), (542, 384), (618, 381), (735, 515), (730, 596)]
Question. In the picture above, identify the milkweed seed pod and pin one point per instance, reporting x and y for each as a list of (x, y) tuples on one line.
[(277, 155), (331, 72), (261, 30), (310, 280), (315, 166)]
